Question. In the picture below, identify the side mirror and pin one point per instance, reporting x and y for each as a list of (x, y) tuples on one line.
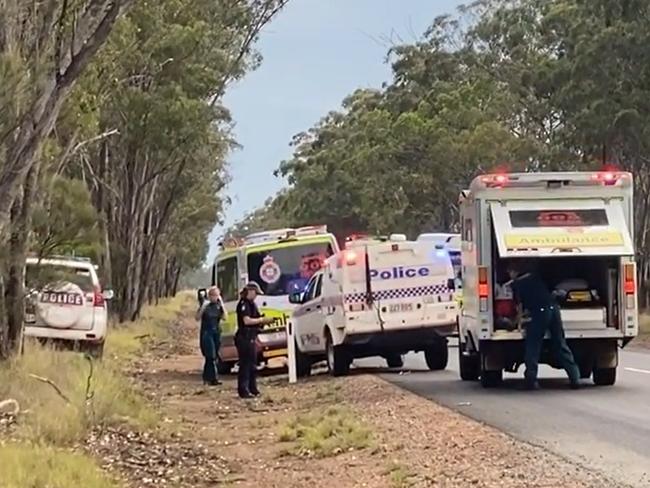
[(451, 284), (295, 298), (108, 294)]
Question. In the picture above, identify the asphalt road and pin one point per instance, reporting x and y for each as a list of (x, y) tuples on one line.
[(606, 429)]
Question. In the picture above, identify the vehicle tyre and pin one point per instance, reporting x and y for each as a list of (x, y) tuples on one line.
[(585, 370), (394, 360), (604, 376), (303, 364), (338, 361), (224, 367), (490, 378), (437, 356), (469, 365)]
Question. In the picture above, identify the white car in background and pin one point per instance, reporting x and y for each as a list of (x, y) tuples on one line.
[(66, 304)]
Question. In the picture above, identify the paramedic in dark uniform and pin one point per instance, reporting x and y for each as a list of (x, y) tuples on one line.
[(533, 295), (211, 312), (249, 322)]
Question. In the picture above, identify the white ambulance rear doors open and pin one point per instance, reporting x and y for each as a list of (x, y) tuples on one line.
[(538, 228)]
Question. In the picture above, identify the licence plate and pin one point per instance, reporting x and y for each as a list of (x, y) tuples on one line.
[(400, 307), (275, 353)]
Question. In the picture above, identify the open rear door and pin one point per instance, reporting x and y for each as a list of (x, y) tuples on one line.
[(561, 227)]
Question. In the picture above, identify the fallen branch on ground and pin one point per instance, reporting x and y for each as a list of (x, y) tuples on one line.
[(52, 384)]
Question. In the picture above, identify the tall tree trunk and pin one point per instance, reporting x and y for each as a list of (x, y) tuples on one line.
[(21, 218)]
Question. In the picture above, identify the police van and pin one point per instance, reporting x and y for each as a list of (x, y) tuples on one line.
[(576, 230), (282, 262), (377, 297)]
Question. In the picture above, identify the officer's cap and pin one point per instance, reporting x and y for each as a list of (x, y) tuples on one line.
[(251, 285)]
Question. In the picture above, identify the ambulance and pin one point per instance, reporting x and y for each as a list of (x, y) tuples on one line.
[(282, 262), (576, 230), (378, 297)]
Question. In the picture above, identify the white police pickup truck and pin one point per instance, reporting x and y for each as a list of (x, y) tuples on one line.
[(376, 298)]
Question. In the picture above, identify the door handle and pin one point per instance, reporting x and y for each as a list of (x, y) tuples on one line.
[(308, 310), (318, 307)]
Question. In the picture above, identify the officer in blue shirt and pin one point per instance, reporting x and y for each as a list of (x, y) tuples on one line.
[(211, 313), (249, 323), (533, 295)]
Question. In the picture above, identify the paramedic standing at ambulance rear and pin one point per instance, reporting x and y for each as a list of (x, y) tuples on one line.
[(249, 321), (534, 296)]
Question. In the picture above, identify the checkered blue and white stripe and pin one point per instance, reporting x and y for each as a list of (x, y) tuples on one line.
[(397, 293)]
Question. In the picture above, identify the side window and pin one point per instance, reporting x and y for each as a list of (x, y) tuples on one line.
[(310, 290), (227, 278), (319, 286)]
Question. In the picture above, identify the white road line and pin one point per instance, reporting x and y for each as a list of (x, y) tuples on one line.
[(635, 370)]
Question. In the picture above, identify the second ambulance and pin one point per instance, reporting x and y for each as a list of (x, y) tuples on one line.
[(575, 229), (378, 297)]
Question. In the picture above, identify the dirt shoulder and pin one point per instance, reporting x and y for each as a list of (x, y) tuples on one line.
[(350, 432)]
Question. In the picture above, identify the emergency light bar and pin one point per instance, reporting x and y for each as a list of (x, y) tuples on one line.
[(551, 180), (284, 234)]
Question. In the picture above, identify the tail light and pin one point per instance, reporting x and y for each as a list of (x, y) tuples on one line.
[(483, 288), (98, 298), (629, 285)]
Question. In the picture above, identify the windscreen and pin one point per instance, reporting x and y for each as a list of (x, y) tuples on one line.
[(49, 277), (287, 270)]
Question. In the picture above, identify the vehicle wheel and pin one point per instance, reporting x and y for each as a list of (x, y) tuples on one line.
[(303, 364), (437, 356), (490, 378), (604, 376), (469, 365), (585, 370), (224, 367), (338, 361), (394, 360)]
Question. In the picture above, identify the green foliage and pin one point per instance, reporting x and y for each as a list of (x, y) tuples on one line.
[(25, 465), (66, 221), (325, 433)]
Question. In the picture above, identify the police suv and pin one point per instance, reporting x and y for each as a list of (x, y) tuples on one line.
[(378, 297)]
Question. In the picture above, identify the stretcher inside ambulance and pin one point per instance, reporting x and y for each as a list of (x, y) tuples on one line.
[(577, 247)]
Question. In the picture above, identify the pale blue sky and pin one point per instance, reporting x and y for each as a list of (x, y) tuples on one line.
[(315, 52)]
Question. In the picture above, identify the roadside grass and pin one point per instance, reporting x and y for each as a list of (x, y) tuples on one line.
[(63, 395), (37, 466), (324, 433), (126, 341), (400, 476)]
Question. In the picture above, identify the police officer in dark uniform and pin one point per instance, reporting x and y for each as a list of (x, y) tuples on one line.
[(211, 312), (534, 296), (249, 322)]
